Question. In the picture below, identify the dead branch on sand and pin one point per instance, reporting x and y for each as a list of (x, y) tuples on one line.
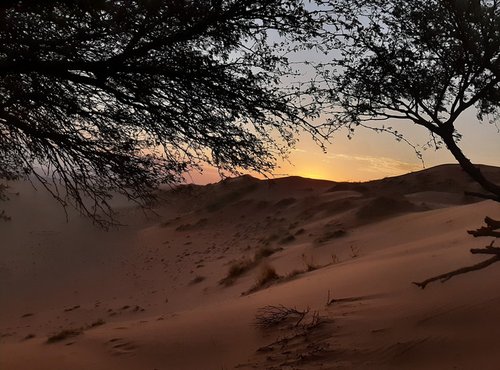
[(269, 316), (489, 230)]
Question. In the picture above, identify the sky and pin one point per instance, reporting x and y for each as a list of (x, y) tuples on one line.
[(370, 156)]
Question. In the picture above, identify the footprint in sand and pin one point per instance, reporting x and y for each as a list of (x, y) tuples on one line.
[(120, 346)]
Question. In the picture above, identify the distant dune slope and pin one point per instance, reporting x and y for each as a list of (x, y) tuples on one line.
[(288, 273)]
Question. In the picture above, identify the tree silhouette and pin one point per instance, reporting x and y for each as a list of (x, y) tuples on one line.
[(98, 96), (422, 62), (419, 62)]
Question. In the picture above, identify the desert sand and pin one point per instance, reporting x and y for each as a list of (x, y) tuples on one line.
[(190, 285)]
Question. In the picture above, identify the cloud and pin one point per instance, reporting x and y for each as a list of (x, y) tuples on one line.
[(379, 165)]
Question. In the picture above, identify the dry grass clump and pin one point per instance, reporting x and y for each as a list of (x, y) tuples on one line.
[(267, 274), (237, 269), (309, 263), (266, 277)]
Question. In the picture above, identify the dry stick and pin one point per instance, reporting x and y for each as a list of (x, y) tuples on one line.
[(493, 224), (484, 231), (447, 276), (490, 249), (488, 230)]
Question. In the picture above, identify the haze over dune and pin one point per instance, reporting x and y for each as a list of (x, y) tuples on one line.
[(190, 287)]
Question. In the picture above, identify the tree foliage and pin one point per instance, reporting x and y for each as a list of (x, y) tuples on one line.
[(100, 95), (423, 62)]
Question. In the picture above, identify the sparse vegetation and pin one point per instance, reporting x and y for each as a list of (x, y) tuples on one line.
[(285, 202), (287, 239), (229, 198), (300, 231), (72, 308), (236, 269), (294, 273), (331, 234), (96, 323), (3, 216), (266, 277), (64, 334), (267, 274), (184, 227), (197, 279), (265, 251), (74, 332), (354, 251), (270, 316), (309, 263)]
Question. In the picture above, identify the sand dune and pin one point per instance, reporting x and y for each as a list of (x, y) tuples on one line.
[(183, 288)]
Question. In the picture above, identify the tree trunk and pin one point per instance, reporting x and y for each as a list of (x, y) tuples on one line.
[(470, 168)]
